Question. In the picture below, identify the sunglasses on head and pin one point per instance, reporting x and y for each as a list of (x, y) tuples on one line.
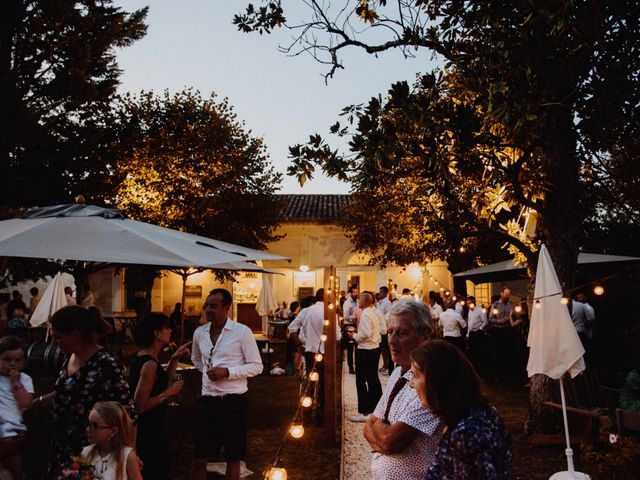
[(96, 426)]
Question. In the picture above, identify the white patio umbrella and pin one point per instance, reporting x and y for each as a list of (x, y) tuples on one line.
[(96, 234), (267, 298), (53, 299), (555, 348)]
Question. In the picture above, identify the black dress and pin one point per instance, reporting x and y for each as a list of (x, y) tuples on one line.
[(151, 442)]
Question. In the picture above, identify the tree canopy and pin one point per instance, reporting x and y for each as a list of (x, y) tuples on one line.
[(534, 103), (58, 74), (187, 162)]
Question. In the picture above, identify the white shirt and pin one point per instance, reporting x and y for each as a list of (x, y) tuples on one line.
[(312, 327), (382, 320), (477, 320), (107, 466), (452, 323), (10, 412), (368, 334), (349, 309), (583, 316), (384, 306), (436, 311), (70, 299), (236, 349), (414, 461)]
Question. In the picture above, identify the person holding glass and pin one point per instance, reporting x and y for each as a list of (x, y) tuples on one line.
[(153, 385), (227, 354)]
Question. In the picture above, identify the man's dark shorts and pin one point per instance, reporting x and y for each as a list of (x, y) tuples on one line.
[(221, 422)]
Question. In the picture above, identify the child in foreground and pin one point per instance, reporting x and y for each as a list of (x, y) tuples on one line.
[(16, 395), (111, 451)]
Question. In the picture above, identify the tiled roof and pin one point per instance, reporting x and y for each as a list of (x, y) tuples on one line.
[(313, 208)]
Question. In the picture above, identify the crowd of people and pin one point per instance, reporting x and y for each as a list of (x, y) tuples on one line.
[(432, 421)]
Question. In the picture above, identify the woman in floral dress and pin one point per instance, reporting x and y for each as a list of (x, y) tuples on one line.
[(475, 444), (90, 374)]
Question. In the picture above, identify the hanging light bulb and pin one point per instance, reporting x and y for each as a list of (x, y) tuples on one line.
[(462, 302), (306, 401), (447, 293), (304, 268), (472, 306), (318, 357), (276, 471), (564, 300), (329, 290), (454, 298), (494, 311), (323, 337), (441, 288), (296, 430), (326, 323), (598, 290), (330, 306), (313, 376), (538, 305), (517, 309)]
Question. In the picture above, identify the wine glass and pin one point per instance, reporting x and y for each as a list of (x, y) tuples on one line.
[(176, 378)]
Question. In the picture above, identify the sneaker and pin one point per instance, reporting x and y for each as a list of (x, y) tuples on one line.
[(358, 418)]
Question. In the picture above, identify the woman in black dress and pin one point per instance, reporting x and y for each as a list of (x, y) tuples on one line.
[(153, 386)]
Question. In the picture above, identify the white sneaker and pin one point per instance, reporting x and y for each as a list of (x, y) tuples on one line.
[(358, 418)]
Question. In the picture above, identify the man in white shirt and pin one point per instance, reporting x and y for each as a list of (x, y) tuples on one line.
[(227, 354), (349, 322), (584, 317), (403, 434), (452, 326), (384, 307), (367, 354), (477, 325)]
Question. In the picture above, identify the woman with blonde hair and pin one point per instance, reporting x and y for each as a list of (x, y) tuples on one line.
[(111, 451)]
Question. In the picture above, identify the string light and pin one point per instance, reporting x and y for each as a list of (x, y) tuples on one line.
[(517, 309), (598, 290), (454, 298), (296, 430), (326, 323), (323, 337), (318, 357), (442, 289), (330, 306), (538, 305), (276, 471), (462, 302), (472, 305), (306, 401), (564, 300), (313, 376), (494, 311)]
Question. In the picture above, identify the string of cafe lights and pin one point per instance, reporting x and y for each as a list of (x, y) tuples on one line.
[(309, 392)]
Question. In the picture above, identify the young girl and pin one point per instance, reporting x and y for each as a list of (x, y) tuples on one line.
[(111, 452), (16, 394)]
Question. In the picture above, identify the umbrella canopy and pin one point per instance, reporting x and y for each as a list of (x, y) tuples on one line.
[(507, 270), (96, 234), (555, 347), (266, 300), (52, 300)]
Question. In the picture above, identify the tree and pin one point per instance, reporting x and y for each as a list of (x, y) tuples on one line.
[(57, 76), (185, 162), (533, 96)]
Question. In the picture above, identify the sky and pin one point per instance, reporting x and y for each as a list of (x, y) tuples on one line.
[(283, 99)]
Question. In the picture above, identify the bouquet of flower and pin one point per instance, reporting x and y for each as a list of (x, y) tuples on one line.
[(78, 469)]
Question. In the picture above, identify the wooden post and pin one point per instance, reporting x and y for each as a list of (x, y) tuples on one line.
[(330, 371)]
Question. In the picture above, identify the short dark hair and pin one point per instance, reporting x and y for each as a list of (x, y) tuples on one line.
[(75, 317), (152, 322), (227, 300), (33, 291), (453, 387), (405, 291), (352, 287), (384, 289), (9, 343), (320, 295), (306, 301)]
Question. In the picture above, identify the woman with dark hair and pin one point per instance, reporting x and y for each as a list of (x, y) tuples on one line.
[(89, 374), (153, 386), (476, 443)]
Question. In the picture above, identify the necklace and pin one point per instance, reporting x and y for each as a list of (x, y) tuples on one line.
[(104, 460)]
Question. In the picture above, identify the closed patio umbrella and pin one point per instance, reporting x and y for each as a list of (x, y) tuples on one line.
[(53, 299), (555, 348)]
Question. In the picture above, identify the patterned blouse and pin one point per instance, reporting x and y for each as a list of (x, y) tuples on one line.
[(100, 378), (478, 447)]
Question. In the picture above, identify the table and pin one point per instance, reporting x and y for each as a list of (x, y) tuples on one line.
[(126, 320)]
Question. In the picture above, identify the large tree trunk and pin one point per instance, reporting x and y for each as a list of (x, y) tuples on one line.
[(559, 230)]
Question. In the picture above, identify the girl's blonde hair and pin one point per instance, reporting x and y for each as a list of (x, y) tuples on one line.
[(115, 415)]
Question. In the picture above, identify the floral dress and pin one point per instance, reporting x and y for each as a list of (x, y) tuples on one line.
[(478, 448), (100, 378)]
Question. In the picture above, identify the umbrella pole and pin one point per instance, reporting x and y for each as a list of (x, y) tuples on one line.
[(568, 451), (184, 286)]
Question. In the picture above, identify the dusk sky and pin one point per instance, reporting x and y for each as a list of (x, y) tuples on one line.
[(193, 43)]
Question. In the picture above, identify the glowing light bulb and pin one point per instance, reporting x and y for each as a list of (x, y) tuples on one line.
[(304, 268), (517, 309), (462, 302), (326, 323), (441, 288), (330, 306), (328, 290), (472, 305), (564, 301), (447, 293), (296, 430), (494, 311), (318, 357), (306, 401), (454, 298), (538, 305), (598, 290), (276, 471), (313, 376), (323, 337)]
